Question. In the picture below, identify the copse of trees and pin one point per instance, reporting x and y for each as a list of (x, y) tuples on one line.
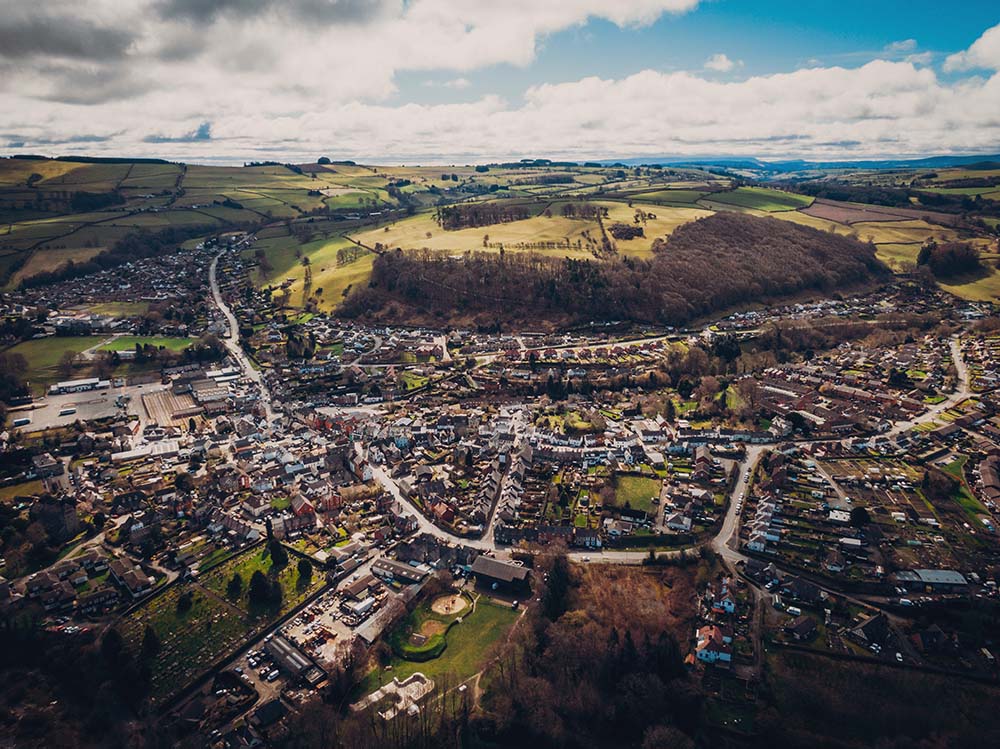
[(949, 259), (626, 231), (711, 264), (479, 214)]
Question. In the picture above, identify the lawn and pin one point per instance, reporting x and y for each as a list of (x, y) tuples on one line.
[(26, 489), (468, 645), (636, 492), (129, 342)]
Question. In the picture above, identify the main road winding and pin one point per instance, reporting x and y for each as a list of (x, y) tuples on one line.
[(232, 341)]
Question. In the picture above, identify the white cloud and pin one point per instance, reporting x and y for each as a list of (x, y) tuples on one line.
[(267, 84), (457, 83), (902, 47), (721, 63), (984, 53)]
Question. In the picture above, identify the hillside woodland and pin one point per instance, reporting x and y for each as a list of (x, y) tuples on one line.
[(703, 267)]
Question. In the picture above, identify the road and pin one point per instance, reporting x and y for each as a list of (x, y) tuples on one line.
[(721, 543), (962, 392), (232, 341)]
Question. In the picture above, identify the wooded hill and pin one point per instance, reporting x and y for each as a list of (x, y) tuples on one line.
[(717, 262)]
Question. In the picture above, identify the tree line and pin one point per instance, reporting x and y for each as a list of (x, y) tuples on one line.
[(479, 214)]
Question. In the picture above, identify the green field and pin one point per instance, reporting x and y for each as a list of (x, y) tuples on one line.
[(120, 309), (636, 492), (294, 590), (43, 355), (466, 652), (762, 199), (683, 197), (129, 342)]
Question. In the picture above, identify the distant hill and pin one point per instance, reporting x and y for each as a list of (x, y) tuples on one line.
[(715, 263), (977, 161)]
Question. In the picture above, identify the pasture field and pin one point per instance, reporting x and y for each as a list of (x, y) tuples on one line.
[(466, 652), (762, 199), (984, 288), (896, 256), (903, 232), (330, 278), (667, 218), (682, 196), (43, 261), (528, 234)]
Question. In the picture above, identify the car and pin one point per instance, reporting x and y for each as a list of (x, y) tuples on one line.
[(273, 675), (238, 670), (899, 657), (586, 559)]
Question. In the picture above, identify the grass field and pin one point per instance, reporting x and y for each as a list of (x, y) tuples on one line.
[(120, 309), (294, 589), (636, 492), (412, 234), (762, 199), (466, 653), (129, 342), (978, 289), (667, 219), (682, 196), (26, 489), (43, 355)]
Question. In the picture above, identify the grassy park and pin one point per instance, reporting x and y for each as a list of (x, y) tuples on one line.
[(466, 643)]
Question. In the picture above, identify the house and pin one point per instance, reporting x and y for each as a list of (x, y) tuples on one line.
[(678, 522), (714, 645), (872, 630), (801, 628)]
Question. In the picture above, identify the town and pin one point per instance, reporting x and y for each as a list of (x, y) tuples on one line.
[(257, 514)]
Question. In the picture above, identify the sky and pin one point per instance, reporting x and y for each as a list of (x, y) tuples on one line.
[(467, 81)]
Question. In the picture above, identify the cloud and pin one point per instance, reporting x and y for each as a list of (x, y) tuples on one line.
[(902, 47), (984, 53), (263, 80), (721, 63), (201, 133), (57, 36), (322, 11)]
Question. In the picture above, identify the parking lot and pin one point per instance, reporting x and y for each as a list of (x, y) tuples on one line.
[(62, 410)]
